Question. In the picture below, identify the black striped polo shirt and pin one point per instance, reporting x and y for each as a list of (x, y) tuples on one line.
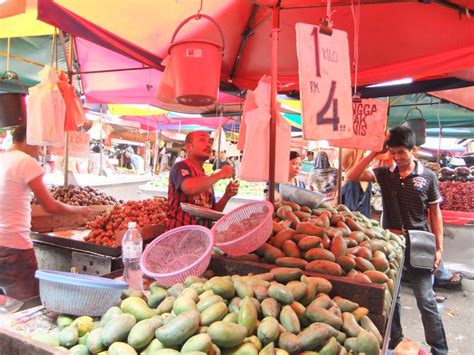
[(176, 216), (411, 196)]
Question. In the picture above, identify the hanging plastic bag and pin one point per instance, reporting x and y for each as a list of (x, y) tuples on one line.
[(75, 115), (249, 105), (46, 111), (167, 87), (322, 177), (256, 157)]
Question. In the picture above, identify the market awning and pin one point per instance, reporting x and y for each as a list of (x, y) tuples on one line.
[(397, 39)]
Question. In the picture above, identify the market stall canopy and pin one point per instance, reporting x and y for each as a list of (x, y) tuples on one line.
[(18, 19), (397, 39), (463, 97), (28, 55), (182, 123), (436, 112)]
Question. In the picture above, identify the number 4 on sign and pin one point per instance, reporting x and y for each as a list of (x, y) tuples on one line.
[(320, 119)]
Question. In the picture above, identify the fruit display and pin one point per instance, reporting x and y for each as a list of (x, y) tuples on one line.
[(104, 227), (333, 241), (461, 174), (457, 196), (80, 196), (279, 312), (246, 188)]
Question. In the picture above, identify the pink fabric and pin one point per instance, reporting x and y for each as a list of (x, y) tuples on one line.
[(163, 120), (397, 39)]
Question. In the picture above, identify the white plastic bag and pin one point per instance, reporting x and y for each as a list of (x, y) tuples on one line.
[(167, 88), (46, 111), (256, 156)]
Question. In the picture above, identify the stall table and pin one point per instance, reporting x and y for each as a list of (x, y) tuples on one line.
[(63, 252)]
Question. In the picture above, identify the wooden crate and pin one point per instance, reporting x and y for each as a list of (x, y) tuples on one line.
[(16, 344), (42, 221), (370, 296)]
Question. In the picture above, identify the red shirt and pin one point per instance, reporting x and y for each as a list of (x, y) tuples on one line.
[(176, 216)]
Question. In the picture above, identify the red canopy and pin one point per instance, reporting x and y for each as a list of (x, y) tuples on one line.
[(397, 39)]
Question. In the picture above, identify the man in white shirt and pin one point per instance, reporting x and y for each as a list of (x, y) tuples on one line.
[(20, 175)]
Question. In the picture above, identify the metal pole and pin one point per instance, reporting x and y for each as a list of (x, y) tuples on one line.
[(339, 178), (66, 136), (218, 162), (66, 160), (273, 111), (155, 155)]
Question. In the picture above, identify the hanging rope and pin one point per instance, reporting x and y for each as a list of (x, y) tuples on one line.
[(8, 54), (198, 15), (54, 44), (356, 20), (327, 21)]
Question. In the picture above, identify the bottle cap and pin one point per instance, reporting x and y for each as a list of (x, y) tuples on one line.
[(132, 225)]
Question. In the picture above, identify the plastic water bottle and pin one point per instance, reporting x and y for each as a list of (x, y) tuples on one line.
[(132, 245)]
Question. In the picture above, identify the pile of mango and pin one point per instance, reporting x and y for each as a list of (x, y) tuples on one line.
[(279, 312), (332, 241)]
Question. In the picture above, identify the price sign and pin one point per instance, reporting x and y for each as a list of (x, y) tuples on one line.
[(325, 83), (369, 122), (78, 145)]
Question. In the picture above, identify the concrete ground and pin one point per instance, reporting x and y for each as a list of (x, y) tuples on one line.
[(457, 312)]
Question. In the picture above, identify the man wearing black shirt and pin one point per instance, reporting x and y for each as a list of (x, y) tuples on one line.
[(409, 193)]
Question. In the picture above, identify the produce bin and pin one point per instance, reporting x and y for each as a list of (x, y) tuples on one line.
[(41, 221), (371, 296), (219, 266)]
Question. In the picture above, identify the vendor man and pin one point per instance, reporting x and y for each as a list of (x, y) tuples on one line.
[(188, 182)]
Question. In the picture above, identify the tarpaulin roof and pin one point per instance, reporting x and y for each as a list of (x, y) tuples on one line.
[(182, 123), (397, 38)]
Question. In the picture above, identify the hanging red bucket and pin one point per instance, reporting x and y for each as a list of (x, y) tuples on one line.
[(197, 67)]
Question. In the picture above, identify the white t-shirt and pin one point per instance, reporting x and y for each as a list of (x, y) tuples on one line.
[(17, 170)]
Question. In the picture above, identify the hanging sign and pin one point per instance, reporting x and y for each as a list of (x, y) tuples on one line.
[(78, 145), (325, 83), (369, 122)]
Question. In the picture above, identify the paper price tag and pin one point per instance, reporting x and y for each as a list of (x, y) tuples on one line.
[(369, 122), (78, 145), (325, 83)]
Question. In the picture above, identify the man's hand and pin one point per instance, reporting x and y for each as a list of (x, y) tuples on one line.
[(232, 188), (437, 262), (385, 146), (226, 172)]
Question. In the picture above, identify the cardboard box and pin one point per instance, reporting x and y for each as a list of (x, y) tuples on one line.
[(42, 221)]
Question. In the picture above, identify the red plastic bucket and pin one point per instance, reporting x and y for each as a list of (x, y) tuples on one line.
[(197, 67), (197, 72)]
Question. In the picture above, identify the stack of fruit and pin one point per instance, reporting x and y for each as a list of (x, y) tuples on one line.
[(104, 227), (80, 196), (280, 312), (332, 241)]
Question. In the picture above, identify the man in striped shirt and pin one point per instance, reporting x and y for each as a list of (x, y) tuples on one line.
[(188, 182), (409, 193)]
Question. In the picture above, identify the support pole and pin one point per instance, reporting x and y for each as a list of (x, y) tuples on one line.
[(155, 153), (218, 162), (101, 152), (339, 178), (66, 159), (273, 94), (69, 75)]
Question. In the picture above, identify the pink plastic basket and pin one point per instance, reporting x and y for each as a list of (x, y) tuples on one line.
[(178, 253), (244, 229)]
